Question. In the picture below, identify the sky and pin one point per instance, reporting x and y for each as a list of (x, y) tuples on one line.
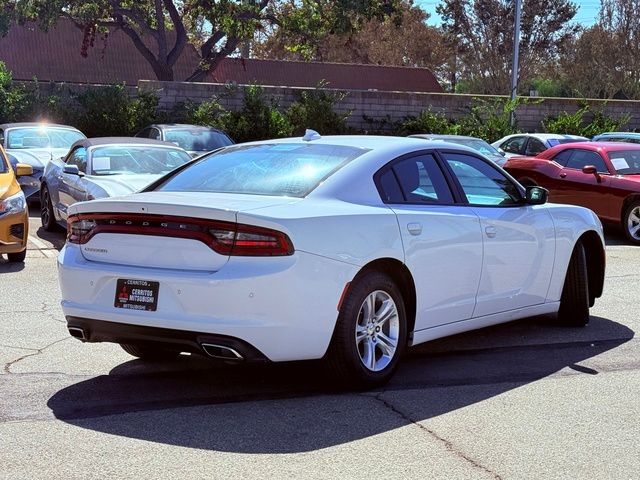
[(587, 11)]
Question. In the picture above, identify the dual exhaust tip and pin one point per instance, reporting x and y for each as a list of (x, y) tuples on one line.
[(220, 352)]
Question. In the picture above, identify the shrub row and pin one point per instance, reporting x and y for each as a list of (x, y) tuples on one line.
[(112, 111)]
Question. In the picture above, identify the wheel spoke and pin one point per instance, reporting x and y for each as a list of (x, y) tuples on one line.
[(387, 311), (361, 334), (369, 307), (387, 345), (369, 358), (634, 230)]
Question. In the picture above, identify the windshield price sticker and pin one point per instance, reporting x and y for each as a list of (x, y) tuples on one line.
[(619, 163), (137, 294)]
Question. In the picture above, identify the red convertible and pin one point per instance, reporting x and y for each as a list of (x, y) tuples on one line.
[(602, 176)]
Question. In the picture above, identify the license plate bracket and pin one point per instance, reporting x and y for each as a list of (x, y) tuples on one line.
[(136, 294)]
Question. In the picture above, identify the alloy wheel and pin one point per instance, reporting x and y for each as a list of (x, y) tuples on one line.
[(377, 331), (633, 223)]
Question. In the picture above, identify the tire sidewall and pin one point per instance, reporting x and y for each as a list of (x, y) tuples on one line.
[(348, 319)]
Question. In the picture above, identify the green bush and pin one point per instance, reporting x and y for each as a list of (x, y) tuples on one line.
[(490, 119), (426, 122), (315, 109), (586, 121), (259, 118)]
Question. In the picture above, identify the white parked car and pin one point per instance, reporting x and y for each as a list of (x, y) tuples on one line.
[(100, 168), (531, 144), (347, 247)]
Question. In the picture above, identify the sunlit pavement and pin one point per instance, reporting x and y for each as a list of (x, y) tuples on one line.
[(523, 400)]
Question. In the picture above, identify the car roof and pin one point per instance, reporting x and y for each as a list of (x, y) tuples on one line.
[(185, 126), (435, 136), (36, 124), (618, 134), (98, 141), (594, 147)]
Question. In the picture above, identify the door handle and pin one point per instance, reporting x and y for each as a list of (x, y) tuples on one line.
[(490, 231), (562, 175), (414, 228)]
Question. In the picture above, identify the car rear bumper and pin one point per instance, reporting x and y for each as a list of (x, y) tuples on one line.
[(217, 346), (284, 307)]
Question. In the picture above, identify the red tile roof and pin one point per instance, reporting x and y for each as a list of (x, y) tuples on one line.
[(338, 75), (55, 56)]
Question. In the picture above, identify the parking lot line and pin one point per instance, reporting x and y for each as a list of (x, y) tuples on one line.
[(43, 247)]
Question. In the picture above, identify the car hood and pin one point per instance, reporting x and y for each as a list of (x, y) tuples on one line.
[(28, 158), (117, 185)]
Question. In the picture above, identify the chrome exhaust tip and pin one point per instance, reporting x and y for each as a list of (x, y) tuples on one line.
[(221, 352), (77, 332)]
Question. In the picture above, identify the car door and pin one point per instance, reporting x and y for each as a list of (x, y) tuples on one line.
[(442, 240), (586, 189), (518, 239), (70, 187)]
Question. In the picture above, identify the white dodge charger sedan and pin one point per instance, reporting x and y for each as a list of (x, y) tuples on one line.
[(347, 248)]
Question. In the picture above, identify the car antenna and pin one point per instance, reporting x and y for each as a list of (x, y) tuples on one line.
[(310, 135)]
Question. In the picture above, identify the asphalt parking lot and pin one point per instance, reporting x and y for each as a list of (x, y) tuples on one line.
[(523, 400)]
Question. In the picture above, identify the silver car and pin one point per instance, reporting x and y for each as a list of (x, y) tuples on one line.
[(103, 167), (36, 144)]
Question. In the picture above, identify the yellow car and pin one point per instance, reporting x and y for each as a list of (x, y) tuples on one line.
[(14, 218)]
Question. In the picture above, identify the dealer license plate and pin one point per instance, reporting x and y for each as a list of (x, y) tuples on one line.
[(137, 294)]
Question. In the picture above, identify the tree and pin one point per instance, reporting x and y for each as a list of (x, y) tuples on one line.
[(401, 39), (161, 29), (480, 34)]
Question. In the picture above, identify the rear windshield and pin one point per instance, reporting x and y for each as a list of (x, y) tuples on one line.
[(42, 137), (131, 160), (477, 144), (626, 162), (197, 140), (280, 169)]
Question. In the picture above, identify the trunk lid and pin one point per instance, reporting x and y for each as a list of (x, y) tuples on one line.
[(164, 229)]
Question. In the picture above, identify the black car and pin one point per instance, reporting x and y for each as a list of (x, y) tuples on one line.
[(195, 139)]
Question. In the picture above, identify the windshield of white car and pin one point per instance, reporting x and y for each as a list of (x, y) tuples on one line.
[(133, 160), (197, 140), (626, 162), (42, 137), (477, 144), (280, 169)]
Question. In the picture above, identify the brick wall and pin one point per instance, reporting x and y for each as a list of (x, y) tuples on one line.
[(389, 105)]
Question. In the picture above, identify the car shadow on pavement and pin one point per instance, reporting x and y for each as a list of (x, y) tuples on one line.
[(286, 408)]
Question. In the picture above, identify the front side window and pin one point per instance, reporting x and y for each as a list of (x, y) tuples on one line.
[(482, 184), (79, 158), (281, 169), (582, 158), (42, 137), (132, 160), (514, 145)]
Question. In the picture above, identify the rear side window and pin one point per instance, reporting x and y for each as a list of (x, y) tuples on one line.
[(415, 180), (563, 157), (280, 169), (534, 147), (514, 145)]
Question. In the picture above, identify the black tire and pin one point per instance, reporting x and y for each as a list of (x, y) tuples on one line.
[(343, 358), (46, 210), (574, 302), (17, 257), (149, 352), (628, 223)]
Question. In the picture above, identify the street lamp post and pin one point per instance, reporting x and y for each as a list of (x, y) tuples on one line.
[(516, 53)]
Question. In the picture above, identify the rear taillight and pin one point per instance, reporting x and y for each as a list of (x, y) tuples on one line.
[(226, 238)]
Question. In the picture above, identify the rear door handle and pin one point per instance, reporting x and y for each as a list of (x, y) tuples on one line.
[(414, 228), (490, 231)]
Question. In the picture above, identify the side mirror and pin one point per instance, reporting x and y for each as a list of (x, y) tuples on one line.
[(502, 152), (591, 170), (536, 195), (72, 170), (23, 170)]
